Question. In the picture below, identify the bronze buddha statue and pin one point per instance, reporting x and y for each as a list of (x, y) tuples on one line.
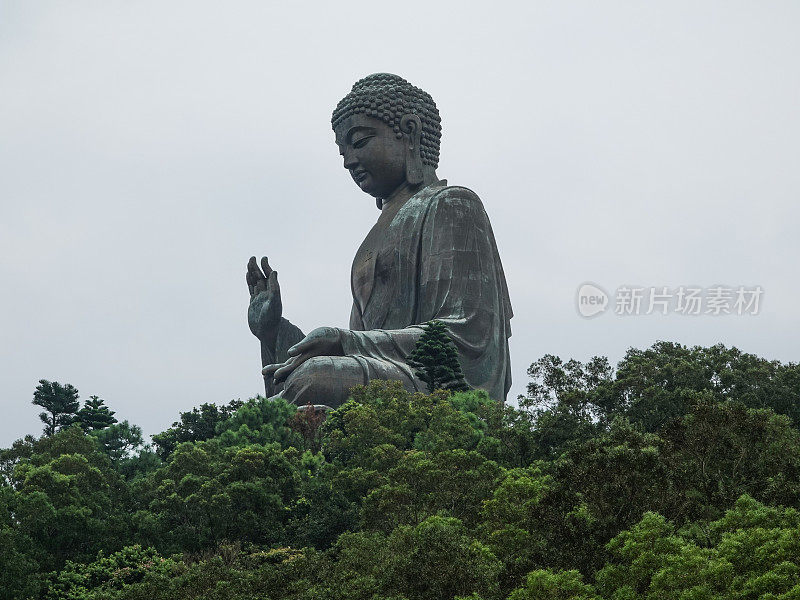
[(431, 255)]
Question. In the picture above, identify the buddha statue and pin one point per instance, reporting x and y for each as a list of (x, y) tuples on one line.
[(431, 255)]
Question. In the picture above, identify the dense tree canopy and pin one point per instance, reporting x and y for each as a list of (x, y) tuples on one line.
[(60, 404), (674, 475)]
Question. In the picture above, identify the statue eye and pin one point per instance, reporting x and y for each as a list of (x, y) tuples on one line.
[(361, 142)]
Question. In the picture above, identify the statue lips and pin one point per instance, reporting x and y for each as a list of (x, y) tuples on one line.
[(359, 176)]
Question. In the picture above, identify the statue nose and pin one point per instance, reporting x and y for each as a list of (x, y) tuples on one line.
[(350, 161)]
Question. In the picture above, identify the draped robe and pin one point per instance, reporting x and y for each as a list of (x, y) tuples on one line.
[(436, 260)]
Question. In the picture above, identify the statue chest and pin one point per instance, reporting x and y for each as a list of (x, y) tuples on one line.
[(385, 268), (373, 264)]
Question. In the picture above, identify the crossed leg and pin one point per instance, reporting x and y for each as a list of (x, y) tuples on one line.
[(327, 380)]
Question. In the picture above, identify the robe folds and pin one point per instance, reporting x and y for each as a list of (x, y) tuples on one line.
[(437, 260)]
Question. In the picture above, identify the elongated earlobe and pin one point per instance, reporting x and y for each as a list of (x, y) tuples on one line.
[(412, 126)]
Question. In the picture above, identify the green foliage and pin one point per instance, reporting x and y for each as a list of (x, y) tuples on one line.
[(600, 487), (675, 475), (9, 457), (329, 504), (107, 574), (197, 425), (435, 359), (751, 552), (449, 483), (435, 560), (228, 572), (514, 523), (721, 450), (656, 386), (95, 414), (67, 501), (650, 385), (119, 440), (20, 572), (563, 585), (383, 418), (60, 404), (207, 493), (259, 421)]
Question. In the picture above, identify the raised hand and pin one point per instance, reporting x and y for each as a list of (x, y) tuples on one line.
[(264, 312)]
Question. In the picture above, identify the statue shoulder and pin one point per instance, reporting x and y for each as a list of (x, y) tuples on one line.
[(456, 196), (456, 191)]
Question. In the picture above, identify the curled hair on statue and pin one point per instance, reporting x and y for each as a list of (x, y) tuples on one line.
[(390, 98)]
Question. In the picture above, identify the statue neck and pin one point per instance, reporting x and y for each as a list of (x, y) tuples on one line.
[(398, 197)]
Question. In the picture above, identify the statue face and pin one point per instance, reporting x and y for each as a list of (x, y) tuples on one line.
[(372, 153)]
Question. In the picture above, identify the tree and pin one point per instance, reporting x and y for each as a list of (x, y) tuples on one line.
[(95, 415), (722, 450), (438, 559), (674, 475), (436, 359), (60, 403), (107, 573), (516, 522), (656, 386), (119, 440), (308, 423), (10, 457), (382, 419), (196, 425), (258, 421), (330, 504), (454, 483), (68, 502), (563, 585), (19, 569), (753, 551), (207, 493)]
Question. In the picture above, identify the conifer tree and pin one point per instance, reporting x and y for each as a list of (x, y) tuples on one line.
[(60, 403), (95, 414), (435, 359)]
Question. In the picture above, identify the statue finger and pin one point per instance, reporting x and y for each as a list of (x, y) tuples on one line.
[(290, 366), (248, 276), (269, 370), (255, 272), (313, 340), (265, 266), (272, 283), (283, 372), (299, 347)]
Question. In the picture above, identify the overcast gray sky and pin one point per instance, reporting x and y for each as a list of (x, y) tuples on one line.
[(147, 149)]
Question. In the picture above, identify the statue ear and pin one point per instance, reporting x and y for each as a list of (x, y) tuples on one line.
[(412, 127)]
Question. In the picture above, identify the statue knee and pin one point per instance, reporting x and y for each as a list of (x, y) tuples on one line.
[(318, 366), (314, 382)]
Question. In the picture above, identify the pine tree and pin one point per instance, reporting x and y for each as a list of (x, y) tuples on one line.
[(435, 359), (60, 403), (120, 440), (95, 415)]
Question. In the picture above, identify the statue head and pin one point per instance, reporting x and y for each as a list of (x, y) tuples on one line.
[(388, 132)]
